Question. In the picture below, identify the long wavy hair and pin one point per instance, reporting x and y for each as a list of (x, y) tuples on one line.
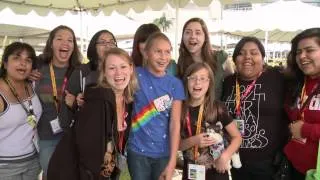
[(185, 59), (133, 82), (297, 76), (47, 56)]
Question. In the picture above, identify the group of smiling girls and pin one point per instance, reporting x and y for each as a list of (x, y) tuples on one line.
[(120, 116)]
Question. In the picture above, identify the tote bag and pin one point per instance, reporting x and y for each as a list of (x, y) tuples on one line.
[(314, 174)]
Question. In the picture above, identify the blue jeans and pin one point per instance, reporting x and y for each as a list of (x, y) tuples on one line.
[(145, 168), (28, 170), (47, 148)]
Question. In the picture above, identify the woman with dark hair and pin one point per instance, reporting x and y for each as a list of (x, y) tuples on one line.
[(303, 102), (87, 74), (254, 97), (139, 42), (20, 110), (60, 57), (195, 46)]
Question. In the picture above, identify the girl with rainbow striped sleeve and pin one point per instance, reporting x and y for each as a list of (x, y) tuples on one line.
[(154, 139)]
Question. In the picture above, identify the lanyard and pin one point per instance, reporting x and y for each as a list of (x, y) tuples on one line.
[(303, 97), (244, 95), (30, 113), (198, 130), (54, 86)]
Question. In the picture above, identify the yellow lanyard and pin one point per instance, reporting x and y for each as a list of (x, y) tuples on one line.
[(198, 130), (54, 86), (303, 98)]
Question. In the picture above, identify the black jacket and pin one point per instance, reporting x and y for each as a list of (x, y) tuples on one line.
[(79, 154)]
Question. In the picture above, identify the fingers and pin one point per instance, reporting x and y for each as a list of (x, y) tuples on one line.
[(79, 99), (35, 75)]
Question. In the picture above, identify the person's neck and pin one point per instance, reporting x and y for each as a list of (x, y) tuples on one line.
[(119, 96), (317, 76), (59, 64), (196, 102), (197, 57), (17, 84), (157, 74)]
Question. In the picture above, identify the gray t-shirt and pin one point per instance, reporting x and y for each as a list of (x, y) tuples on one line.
[(45, 92)]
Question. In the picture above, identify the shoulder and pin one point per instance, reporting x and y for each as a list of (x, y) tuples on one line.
[(271, 73), (99, 93), (221, 56)]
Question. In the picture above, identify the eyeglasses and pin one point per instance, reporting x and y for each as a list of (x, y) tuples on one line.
[(107, 43), (200, 79)]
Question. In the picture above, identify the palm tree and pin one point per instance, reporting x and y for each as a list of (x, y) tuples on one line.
[(163, 23)]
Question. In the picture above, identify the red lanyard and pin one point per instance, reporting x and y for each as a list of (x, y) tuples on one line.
[(121, 133), (244, 95), (54, 86), (198, 130), (303, 98)]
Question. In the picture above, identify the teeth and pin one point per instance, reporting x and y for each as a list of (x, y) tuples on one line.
[(303, 63)]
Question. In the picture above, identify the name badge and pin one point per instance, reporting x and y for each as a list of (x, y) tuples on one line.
[(55, 126), (162, 103), (197, 172), (31, 119), (240, 125), (35, 140)]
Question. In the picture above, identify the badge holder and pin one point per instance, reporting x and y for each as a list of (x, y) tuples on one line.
[(197, 172), (55, 126)]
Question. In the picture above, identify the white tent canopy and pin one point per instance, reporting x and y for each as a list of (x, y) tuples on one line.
[(282, 20), (42, 7)]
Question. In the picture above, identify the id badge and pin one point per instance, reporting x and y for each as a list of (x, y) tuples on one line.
[(55, 126), (162, 103), (31, 119), (197, 172), (240, 126), (35, 140), (121, 162)]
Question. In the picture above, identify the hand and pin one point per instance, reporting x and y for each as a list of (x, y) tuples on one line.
[(222, 164), (168, 172), (69, 99), (295, 129), (35, 75), (203, 140), (80, 100)]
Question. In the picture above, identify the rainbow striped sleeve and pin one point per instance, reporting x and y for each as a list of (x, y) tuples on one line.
[(144, 116)]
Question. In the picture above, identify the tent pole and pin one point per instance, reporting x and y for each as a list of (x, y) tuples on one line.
[(176, 51), (266, 36), (4, 41)]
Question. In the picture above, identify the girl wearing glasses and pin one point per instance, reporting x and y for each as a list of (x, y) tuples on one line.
[(99, 44), (203, 122)]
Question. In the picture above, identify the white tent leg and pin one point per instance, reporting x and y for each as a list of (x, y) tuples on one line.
[(266, 36), (176, 40)]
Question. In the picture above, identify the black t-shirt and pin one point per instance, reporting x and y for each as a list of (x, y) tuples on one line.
[(262, 110), (217, 125)]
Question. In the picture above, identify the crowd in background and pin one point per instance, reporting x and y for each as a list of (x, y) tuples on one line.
[(126, 117)]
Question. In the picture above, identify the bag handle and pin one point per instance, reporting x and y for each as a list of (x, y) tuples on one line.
[(318, 161)]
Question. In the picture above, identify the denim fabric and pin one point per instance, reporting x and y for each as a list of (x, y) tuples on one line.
[(47, 148), (28, 170), (145, 168)]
